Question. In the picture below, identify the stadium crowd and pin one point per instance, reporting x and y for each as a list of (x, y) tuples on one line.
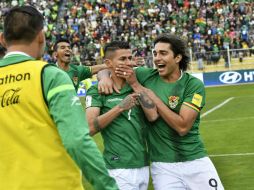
[(208, 25)]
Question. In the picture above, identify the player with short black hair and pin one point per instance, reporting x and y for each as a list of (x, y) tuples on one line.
[(122, 123), (77, 73)]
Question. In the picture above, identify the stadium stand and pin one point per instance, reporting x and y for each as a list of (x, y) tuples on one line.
[(211, 27)]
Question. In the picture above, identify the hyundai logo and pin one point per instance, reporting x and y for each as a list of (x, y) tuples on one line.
[(230, 77)]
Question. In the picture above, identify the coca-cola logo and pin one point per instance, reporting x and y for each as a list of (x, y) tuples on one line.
[(10, 97)]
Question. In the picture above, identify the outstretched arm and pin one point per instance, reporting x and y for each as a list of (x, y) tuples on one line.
[(96, 68)]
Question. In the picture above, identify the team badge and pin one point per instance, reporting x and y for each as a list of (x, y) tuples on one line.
[(173, 101)]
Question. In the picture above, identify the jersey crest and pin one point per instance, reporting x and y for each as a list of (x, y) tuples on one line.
[(173, 101)]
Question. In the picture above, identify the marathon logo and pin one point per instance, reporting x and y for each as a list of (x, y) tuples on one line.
[(14, 78)]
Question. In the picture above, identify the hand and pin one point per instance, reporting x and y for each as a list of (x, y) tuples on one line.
[(129, 101), (106, 86), (126, 71)]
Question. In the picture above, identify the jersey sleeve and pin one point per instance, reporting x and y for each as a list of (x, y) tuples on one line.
[(66, 110), (195, 95), (93, 98), (85, 72), (142, 74)]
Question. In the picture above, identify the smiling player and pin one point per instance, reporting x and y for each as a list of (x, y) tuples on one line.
[(63, 54)]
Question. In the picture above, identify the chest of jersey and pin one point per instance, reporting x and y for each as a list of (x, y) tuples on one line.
[(172, 94)]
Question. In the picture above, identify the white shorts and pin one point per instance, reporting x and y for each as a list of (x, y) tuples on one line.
[(199, 174), (131, 179)]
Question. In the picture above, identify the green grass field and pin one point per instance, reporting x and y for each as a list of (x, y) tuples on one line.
[(228, 134)]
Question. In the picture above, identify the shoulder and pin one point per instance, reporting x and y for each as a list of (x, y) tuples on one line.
[(193, 80), (193, 85), (74, 67), (53, 72), (86, 70), (93, 90), (80, 67), (52, 68), (144, 73), (144, 70)]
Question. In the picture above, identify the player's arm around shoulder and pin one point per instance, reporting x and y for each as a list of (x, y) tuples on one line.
[(96, 68), (66, 111)]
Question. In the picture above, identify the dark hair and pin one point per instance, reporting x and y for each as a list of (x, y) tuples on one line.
[(2, 48), (59, 41), (178, 46), (115, 45), (22, 24), (2, 51)]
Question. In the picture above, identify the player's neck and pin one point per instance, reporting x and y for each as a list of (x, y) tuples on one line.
[(63, 66), (174, 76), (119, 82), (23, 48)]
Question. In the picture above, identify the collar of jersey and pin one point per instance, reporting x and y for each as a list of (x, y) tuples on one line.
[(181, 75), (15, 57), (16, 53)]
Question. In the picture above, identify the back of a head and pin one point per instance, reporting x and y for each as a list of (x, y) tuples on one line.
[(177, 45), (22, 24), (2, 51), (111, 47)]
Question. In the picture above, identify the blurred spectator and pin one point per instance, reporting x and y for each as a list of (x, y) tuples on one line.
[(200, 55)]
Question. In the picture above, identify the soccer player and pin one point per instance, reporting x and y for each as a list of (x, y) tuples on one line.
[(122, 123), (63, 54), (44, 138), (178, 156)]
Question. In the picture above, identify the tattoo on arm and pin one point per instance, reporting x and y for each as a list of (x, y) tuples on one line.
[(96, 124), (146, 101)]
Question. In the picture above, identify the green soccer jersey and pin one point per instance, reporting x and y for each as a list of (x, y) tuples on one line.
[(78, 73), (165, 145), (125, 137)]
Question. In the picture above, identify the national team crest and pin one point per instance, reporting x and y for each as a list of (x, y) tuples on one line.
[(173, 101)]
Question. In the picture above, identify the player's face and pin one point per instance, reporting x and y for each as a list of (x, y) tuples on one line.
[(64, 52), (164, 60), (121, 56)]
